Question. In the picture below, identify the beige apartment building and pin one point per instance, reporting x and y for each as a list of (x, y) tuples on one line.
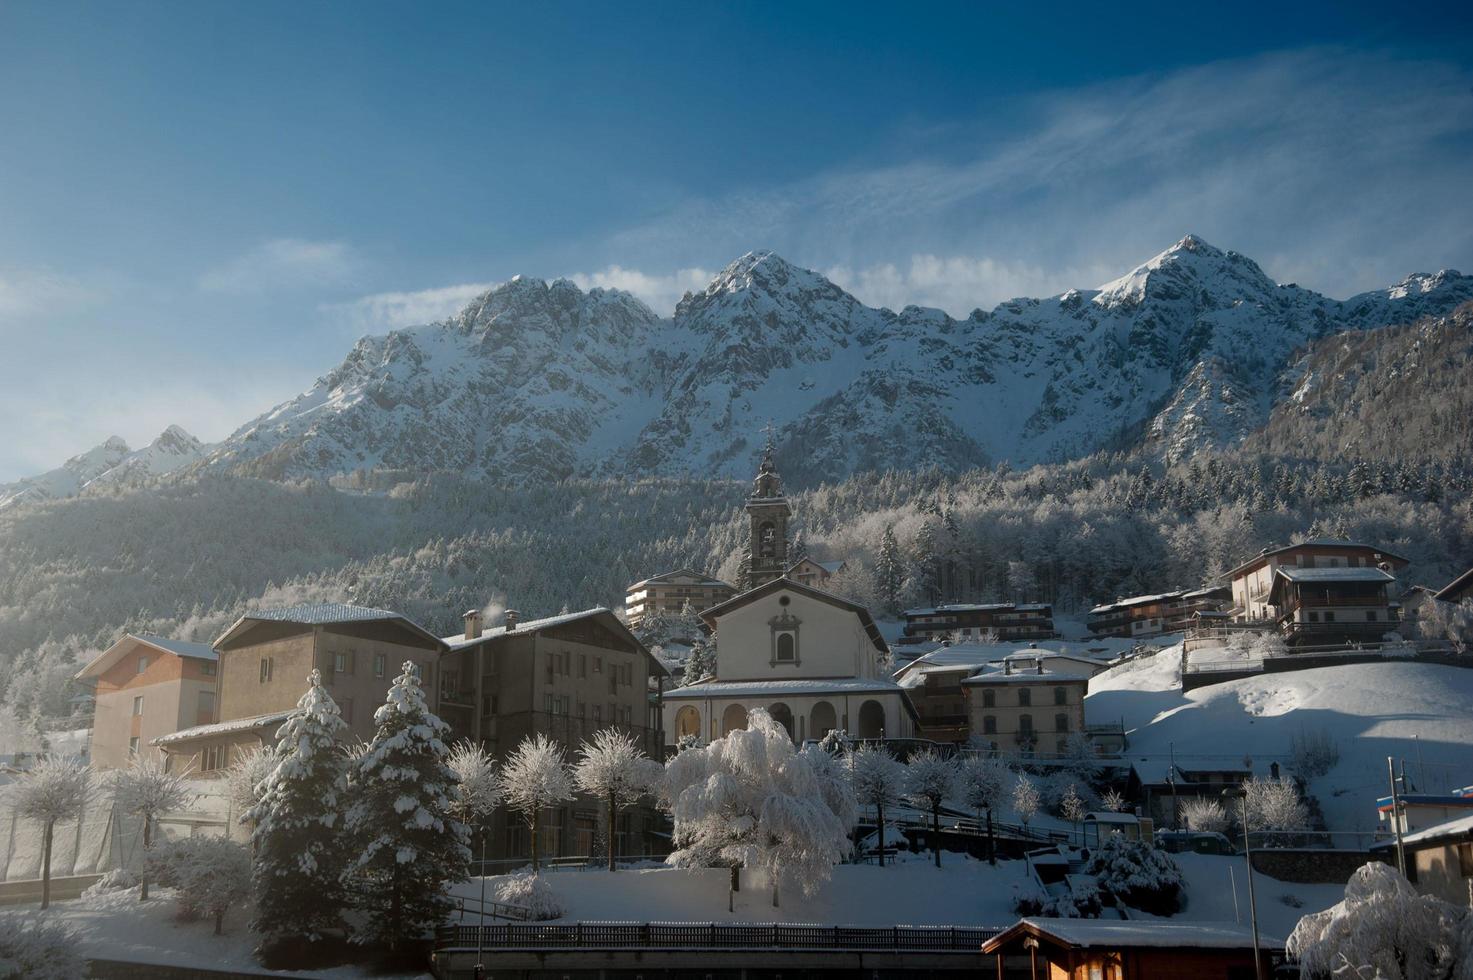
[(670, 593), (265, 659), (147, 687), (1024, 706), (565, 677)]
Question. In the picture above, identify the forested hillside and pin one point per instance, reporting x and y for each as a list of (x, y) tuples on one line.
[(186, 559)]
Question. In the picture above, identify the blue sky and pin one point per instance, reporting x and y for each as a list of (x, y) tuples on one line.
[(202, 205)]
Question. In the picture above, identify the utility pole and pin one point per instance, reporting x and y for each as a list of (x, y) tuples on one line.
[(1242, 797), (1401, 854)]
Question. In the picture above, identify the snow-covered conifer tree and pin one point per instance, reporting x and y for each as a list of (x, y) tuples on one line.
[(408, 844), (146, 789), (929, 780), (56, 789), (878, 781), (616, 770), (298, 822), (981, 783), (889, 572), (533, 778), (1025, 799), (750, 799), (702, 662), (1383, 929)]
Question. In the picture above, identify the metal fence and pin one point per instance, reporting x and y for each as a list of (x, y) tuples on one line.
[(712, 935)]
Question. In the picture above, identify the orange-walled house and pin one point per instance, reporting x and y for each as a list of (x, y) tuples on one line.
[(147, 687)]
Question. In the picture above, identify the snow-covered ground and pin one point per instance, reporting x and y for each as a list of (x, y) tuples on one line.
[(1422, 713)]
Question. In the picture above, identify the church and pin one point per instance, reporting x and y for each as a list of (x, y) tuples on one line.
[(814, 660)]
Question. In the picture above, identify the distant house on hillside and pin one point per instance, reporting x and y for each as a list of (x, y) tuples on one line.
[(1151, 615), (1010, 621), (146, 687), (670, 593), (1319, 591), (265, 660), (1458, 589), (814, 573)]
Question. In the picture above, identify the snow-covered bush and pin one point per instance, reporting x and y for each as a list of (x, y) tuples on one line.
[(300, 849), (749, 799), (531, 892), (55, 790), (407, 843), (1447, 621), (1081, 901), (116, 880), (1312, 754), (615, 770), (1204, 814), (205, 872), (929, 780), (1385, 930), (31, 948), (146, 789), (878, 780), (534, 778), (1113, 800), (1025, 799), (1137, 874), (1274, 804)]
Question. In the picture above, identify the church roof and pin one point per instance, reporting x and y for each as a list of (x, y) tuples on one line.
[(712, 614)]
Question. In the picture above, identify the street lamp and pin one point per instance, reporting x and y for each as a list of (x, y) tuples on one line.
[(1237, 793)]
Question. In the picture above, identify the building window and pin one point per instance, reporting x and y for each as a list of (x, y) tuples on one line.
[(138, 706), (209, 668), (582, 665), (1329, 616), (142, 664), (212, 758), (989, 699), (1061, 696), (787, 647), (598, 665), (1061, 723), (266, 667), (1370, 615), (1025, 723), (1314, 617), (340, 662), (598, 714), (1025, 697), (133, 746), (989, 725), (378, 666), (547, 703)]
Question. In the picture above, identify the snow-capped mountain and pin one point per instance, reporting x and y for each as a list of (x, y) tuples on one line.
[(539, 379), (112, 462)]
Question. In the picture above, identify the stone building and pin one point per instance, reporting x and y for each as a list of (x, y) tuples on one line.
[(769, 512), (565, 677), (147, 687), (266, 657)]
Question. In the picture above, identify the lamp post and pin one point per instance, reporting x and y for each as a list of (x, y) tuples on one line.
[(1237, 793)]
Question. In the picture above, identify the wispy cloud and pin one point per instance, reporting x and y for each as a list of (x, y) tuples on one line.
[(283, 263), (29, 292), (660, 292), (393, 310), (1340, 169)]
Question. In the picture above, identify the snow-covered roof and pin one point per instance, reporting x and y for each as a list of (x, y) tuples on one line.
[(697, 578), (324, 614), (1267, 553), (524, 627), (223, 728), (958, 607), (179, 648), (1460, 827), (1335, 574), (1136, 600), (819, 685), (1457, 589), (1117, 934), (996, 674)]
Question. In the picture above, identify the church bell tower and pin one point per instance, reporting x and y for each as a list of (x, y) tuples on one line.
[(769, 511)]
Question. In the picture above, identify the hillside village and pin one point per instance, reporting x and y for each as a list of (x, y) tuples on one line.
[(1073, 719)]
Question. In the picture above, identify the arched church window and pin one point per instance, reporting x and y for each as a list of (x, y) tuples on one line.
[(787, 647)]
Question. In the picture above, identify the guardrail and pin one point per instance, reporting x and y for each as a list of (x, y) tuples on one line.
[(712, 936)]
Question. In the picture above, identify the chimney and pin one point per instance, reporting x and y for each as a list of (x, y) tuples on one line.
[(1038, 665), (511, 619), (1007, 666), (473, 624)]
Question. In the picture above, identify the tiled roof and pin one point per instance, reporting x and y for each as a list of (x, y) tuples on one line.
[(321, 613), (180, 648)]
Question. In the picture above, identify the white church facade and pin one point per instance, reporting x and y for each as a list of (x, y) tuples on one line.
[(813, 660)]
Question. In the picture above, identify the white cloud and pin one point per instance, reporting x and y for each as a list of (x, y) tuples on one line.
[(283, 263), (394, 310), (1343, 170), (660, 292), (28, 292)]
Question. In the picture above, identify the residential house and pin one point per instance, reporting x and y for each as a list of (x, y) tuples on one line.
[(1106, 949), (1152, 615), (1439, 859), (1458, 589), (565, 677), (1252, 581), (146, 687), (669, 594), (1316, 606), (1422, 810), (266, 657), (813, 660), (1006, 621), (1023, 706), (807, 571)]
